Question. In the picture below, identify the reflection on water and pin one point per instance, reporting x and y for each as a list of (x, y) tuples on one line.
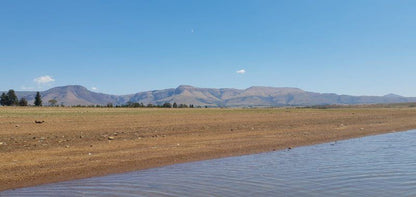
[(383, 165)]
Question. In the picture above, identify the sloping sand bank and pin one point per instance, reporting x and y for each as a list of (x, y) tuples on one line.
[(75, 143)]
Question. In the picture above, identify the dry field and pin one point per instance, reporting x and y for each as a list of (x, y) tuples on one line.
[(75, 143)]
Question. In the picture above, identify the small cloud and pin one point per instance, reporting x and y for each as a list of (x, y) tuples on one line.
[(192, 30), (242, 71), (44, 79), (94, 88)]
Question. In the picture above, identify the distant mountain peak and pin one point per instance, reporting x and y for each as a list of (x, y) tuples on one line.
[(185, 87), (393, 96), (182, 88), (76, 87)]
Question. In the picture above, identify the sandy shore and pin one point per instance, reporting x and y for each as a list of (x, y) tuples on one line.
[(76, 143)]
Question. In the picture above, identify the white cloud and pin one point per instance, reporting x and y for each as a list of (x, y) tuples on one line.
[(94, 88), (44, 79), (192, 30), (242, 71)]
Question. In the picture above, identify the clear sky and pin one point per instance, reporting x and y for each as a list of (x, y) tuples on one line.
[(120, 47)]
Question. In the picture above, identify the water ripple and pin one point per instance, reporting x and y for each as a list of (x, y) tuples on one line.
[(383, 165)]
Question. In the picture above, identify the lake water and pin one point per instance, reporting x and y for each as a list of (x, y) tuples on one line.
[(383, 165)]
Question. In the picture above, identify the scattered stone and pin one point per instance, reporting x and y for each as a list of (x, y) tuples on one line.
[(231, 129), (67, 146), (89, 154), (90, 145), (289, 148), (2, 143), (42, 138), (34, 138), (39, 121), (110, 138), (361, 129), (17, 125)]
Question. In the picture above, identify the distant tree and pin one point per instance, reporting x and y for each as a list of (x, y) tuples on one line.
[(175, 105), (191, 106), (38, 99), (167, 105), (183, 106), (4, 99), (52, 102), (109, 104), (12, 98), (22, 102), (149, 105)]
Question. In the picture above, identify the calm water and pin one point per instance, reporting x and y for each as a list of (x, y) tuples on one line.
[(383, 165)]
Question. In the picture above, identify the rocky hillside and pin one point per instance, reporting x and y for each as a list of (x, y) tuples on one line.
[(224, 97)]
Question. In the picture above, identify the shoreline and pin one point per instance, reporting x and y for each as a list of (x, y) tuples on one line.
[(75, 143)]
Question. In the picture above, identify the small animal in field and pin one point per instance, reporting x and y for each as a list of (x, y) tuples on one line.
[(39, 121)]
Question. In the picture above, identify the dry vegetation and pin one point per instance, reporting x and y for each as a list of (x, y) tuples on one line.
[(76, 143)]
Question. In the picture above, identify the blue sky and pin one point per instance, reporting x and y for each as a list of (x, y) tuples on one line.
[(120, 47)]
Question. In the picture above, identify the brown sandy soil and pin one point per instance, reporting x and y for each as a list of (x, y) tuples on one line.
[(74, 143)]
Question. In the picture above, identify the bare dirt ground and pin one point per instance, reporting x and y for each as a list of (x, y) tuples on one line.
[(75, 143)]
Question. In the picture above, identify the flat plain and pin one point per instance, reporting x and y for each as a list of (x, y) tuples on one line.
[(72, 143)]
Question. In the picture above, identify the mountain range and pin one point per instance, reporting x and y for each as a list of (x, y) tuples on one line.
[(255, 96)]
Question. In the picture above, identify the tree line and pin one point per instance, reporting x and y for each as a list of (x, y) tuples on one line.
[(141, 105), (10, 99), (164, 105)]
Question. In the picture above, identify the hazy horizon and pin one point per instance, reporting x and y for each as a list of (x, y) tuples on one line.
[(109, 93), (343, 47)]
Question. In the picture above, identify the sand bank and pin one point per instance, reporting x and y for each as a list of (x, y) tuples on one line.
[(75, 143)]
